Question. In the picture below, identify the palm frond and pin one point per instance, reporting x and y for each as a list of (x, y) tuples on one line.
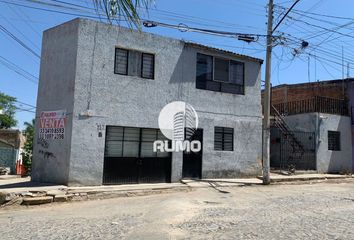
[(127, 9)]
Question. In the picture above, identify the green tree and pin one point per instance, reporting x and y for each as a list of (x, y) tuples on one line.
[(128, 9), (7, 111), (28, 147)]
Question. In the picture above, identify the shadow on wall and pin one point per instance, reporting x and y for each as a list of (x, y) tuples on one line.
[(186, 66), (183, 68)]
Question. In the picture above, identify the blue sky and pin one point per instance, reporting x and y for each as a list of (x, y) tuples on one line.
[(242, 16)]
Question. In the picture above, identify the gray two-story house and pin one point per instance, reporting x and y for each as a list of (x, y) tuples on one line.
[(102, 88)]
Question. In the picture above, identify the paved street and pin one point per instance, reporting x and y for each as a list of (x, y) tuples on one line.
[(311, 211)]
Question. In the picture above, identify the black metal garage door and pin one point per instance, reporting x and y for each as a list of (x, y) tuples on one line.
[(129, 157)]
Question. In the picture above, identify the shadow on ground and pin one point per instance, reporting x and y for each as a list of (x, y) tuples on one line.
[(25, 184)]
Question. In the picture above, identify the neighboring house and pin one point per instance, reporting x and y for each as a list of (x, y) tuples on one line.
[(110, 84), (312, 127), (11, 144)]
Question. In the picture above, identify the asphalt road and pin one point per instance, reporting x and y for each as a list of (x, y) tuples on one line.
[(308, 211)]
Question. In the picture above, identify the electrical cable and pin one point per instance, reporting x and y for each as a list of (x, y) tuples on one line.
[(18, 70), (7, 32)]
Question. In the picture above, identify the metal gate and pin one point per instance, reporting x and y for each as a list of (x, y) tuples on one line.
[(286, 155), (129, 157)]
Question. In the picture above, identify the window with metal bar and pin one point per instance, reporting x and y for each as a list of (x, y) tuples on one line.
[(223, 139), (121, 61), (147, 65), (333, 140), (134, 63), (132, 142)]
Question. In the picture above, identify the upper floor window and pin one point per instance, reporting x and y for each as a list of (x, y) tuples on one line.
[(219, 74), (147, 68), (134, 63), (121, 61)]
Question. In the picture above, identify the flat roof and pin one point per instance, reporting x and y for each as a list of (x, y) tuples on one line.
[(190, 43)]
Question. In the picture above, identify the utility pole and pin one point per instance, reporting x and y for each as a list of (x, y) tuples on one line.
[(267, 103), (342, 62), (266, 107)]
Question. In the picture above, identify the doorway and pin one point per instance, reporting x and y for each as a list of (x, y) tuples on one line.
[(192, 161)]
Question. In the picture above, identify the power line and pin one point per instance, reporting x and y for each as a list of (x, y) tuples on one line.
[(54, 5), (29, 105), (286, 14), (329, 41), (27, 20), (326, 21), (180, 27), (325, 40), (326, 30), (309, 10), (189, 18), (4, 29), (163, 12), (323, 15), (174, 15), (323, 49), (324, 67), (185, 28), (25, 110), (18, 70), (326, 51), (50, 10), (20, 32), (324, 58)]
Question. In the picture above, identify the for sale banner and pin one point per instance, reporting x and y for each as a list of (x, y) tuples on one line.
[(52, 124)]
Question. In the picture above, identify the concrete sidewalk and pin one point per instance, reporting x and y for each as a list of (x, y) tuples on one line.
[(23, 191), (277, 177), (25, 185), (274, 178)]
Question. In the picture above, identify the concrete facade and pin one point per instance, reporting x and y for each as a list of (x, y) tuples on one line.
[(77, 74), (327, 161), (350, 92)]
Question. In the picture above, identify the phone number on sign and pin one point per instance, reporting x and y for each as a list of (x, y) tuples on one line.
[(51, 136), (51, 133), (51, 130)]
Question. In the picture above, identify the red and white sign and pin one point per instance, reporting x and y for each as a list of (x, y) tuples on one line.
[(52, 124)]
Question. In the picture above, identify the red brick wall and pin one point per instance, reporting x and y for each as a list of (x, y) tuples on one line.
[(289, 93)]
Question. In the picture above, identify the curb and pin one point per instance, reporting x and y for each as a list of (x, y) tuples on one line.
[(68, 195), (304, 179), (91, 193)]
